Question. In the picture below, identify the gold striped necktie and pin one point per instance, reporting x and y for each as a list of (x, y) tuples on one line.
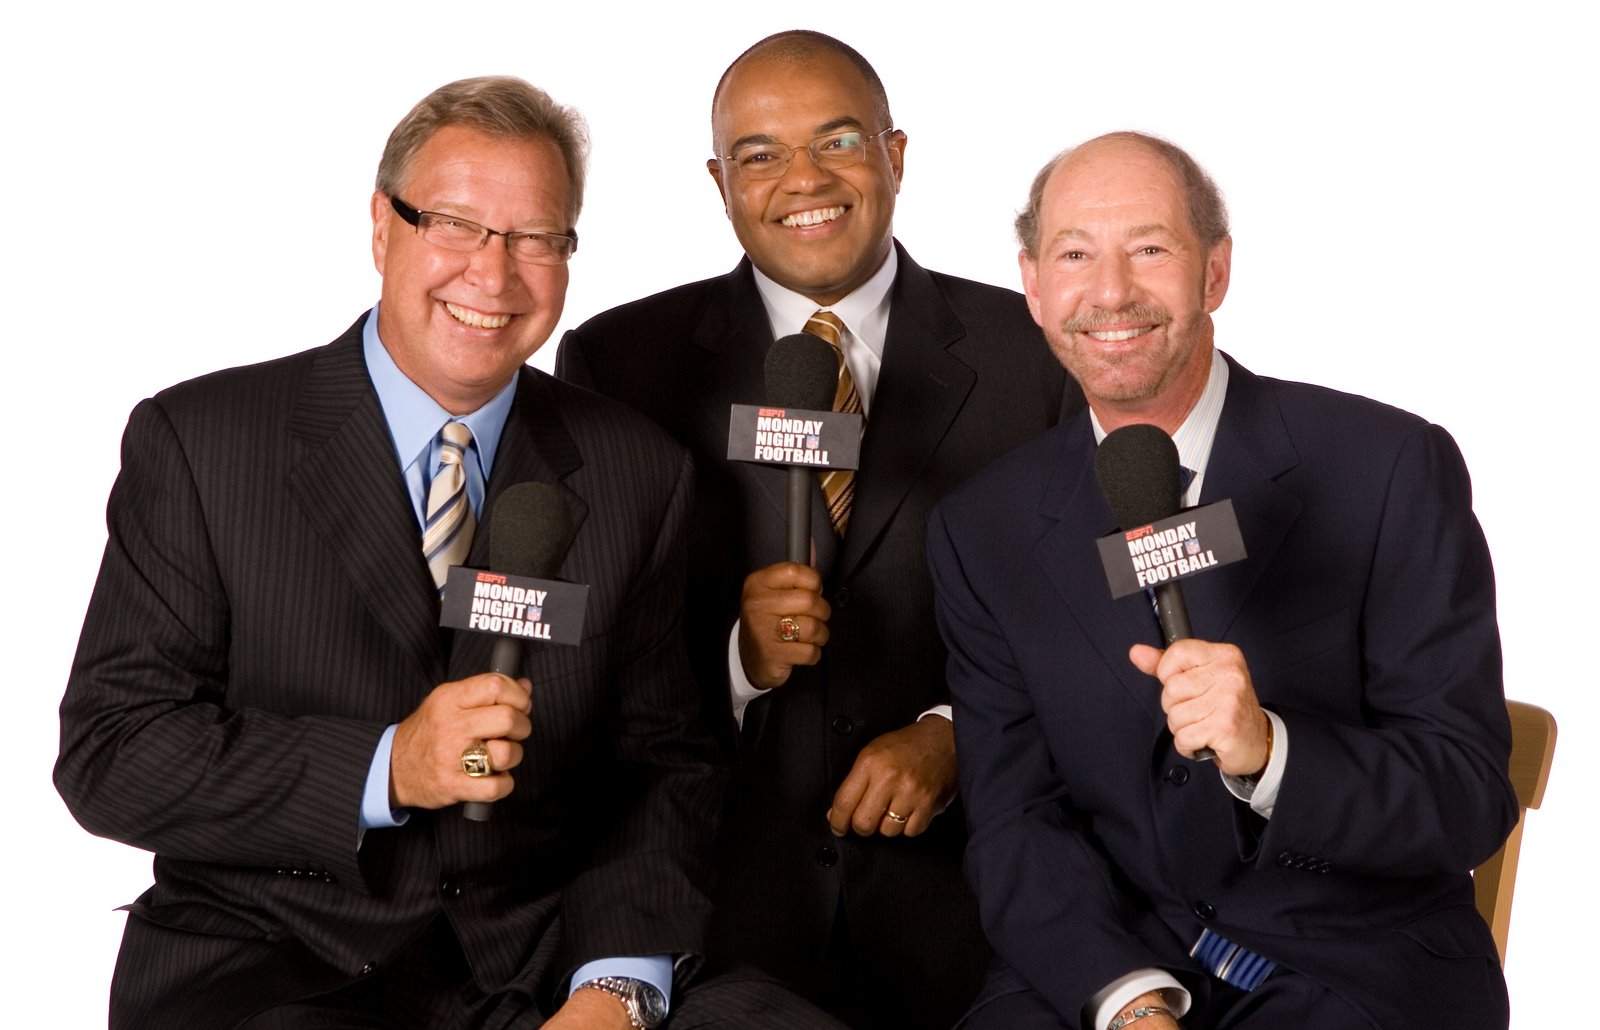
[(447, 527), (838, 485)]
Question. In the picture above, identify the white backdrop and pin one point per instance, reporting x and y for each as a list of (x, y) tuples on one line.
[(1414, 208)]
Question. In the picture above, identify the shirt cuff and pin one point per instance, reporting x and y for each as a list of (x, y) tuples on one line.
[(1105, 1005), (375, 810), (943, 711), (740, 690), (1262, 792), (655, 970)]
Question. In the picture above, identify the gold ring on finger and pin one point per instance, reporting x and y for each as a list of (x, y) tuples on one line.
[(788, 630), (475, 760)]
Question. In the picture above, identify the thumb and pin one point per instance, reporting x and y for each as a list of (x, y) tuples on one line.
[(1145, 658)]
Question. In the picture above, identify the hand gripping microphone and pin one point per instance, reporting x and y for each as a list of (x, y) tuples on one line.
[(802, 372), (530, 532)]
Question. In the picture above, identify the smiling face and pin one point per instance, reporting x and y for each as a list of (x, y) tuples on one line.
[(459, 325), (1123, 286), (820, 232)]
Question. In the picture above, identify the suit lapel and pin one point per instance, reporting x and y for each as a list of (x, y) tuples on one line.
[(1077, 516), (1252, 450), (349, 486), (921, 388)]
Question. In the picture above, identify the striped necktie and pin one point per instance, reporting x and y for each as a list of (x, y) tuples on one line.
[(838, 485), (447, 527)]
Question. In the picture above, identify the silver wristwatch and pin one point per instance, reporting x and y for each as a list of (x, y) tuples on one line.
[(647, 1009)]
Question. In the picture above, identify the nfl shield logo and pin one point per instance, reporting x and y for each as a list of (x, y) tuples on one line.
[(534, 611), (813, 441)]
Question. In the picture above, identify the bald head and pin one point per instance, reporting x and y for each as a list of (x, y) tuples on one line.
[(1208, 215), (800, 46)]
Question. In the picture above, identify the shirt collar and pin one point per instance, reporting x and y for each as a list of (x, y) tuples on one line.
[(864, 311), (414, 418), (1199, 429)]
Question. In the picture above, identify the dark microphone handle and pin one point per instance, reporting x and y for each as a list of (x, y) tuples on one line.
[(800, 480), (506, 660), (1174, 616)]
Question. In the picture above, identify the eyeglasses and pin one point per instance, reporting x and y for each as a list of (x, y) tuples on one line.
[(452, 233), (772, 160)]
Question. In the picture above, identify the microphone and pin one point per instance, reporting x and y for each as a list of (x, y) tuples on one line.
[(802, 371), (1137, 469), (530, 532)]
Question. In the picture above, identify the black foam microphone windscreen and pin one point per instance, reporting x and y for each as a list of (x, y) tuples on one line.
[(530, 531), (1137, 468), (802, 372)]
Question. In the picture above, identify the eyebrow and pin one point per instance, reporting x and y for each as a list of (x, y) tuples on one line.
[(537, 220), (822, 130), (1152, 229)]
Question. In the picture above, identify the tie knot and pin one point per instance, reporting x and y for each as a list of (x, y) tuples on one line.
[(826, 325), (454, 436)]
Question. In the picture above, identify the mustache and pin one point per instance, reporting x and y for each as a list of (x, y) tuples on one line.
[(1097, 320)]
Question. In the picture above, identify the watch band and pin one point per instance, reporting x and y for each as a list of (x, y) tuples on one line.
[(642, 1001)]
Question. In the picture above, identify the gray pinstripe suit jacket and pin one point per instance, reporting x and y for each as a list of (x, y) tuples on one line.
[(263, 612)]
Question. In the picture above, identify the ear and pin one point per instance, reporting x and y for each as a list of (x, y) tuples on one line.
[(897, 156), (714, 166), (380, 228), (1219, 270), (1030, 283)]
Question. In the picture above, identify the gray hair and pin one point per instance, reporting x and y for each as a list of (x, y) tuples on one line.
[(502, 106), (1208, 215)]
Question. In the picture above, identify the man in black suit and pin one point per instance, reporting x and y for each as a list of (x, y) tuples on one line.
[(838, 871), (264, 698), (1346, 673)]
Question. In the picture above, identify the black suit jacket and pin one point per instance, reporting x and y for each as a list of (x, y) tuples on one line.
[(263, 612), (1366, 613), (965, 377)]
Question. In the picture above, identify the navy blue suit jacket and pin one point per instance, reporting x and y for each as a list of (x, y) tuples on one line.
[(1366, 613)]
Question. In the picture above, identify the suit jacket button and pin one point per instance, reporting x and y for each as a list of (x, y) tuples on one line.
[(367, 969), (1204, 912), (843, 726), (450, 889), (1285, 860), (827, 856), (1324, 867), (841, 597), (1177, 776)]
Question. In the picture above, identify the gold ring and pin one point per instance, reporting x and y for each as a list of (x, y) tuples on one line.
[(475, 760), (892, 814), (788, 630)]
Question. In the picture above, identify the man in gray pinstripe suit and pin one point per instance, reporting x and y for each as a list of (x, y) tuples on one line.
[(262, 695)]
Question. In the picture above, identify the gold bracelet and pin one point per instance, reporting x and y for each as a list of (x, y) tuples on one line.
[(1139, 1013)]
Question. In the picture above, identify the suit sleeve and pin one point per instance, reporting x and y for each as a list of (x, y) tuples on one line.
[(644, 891), (1049, 900), (1418, 786), (151, 752)]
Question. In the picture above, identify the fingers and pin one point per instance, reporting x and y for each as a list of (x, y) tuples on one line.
[(426, 768), (783, 622), (1210, 702), (899, 783)]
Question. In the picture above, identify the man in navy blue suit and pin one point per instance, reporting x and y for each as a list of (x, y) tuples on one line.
[(1346, 674)]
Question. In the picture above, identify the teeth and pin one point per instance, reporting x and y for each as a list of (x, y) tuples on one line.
[(1118, 335), (804, 219), (477, 319)]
